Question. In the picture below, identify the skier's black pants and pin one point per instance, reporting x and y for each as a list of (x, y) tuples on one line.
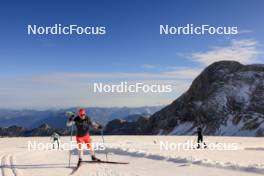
[(58, 143), (200, 139)]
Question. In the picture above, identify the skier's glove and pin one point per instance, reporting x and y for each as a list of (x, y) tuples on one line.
[(70, 114), (71, 118)]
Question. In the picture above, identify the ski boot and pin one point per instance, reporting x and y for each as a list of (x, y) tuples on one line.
[(95, 159)]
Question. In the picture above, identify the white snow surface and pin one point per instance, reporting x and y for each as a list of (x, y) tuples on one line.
[(143, 154)]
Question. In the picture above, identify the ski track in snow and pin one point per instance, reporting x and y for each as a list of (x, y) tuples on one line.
[(98, 170), (254, 148), (103, 170), (255, 168), (107, 170), (7, 166)]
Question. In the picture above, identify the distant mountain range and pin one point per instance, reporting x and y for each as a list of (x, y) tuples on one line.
[(57, 119), (42, 130)]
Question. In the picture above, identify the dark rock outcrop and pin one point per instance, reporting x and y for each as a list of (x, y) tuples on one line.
[(123, 127)]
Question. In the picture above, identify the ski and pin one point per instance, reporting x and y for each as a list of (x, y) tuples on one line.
[(75, 169), (104, 162)]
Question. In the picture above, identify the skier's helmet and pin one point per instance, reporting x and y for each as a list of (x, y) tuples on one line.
[(82, 112)]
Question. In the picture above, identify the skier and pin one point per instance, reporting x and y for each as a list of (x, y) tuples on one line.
[(200, 137), (55, 137), (83, 125)]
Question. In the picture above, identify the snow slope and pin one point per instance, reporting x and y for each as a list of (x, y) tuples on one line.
[(143, 153)]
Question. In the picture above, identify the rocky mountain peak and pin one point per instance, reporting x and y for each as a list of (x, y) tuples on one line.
[(226, 98)]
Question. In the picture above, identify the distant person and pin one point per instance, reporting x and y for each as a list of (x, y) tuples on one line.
[(83, 124), (200, 138), (55, 137)]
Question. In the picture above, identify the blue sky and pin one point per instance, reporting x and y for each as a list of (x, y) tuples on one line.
[(56, 71)]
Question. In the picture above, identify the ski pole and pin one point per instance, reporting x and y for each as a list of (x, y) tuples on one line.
[(70, 145), (70, 114), (102, 134)]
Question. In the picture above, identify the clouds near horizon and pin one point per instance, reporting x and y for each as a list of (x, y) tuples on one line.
[(245, 51)]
